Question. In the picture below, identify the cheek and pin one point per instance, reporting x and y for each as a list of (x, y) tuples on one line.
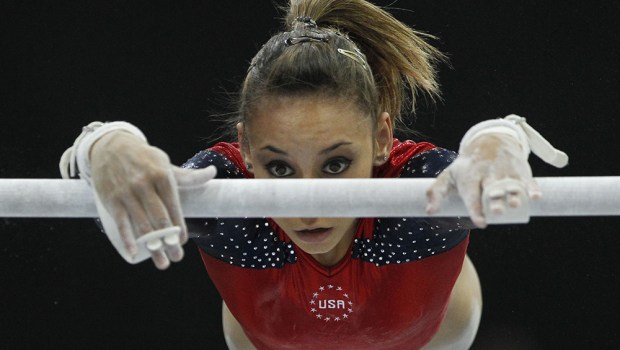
[(258, 171), (363, 166)]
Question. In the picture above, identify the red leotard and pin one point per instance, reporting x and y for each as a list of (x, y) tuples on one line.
[(391, 292)]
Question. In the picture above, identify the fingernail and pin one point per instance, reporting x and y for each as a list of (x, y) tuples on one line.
[(163, 266), (176, 255)]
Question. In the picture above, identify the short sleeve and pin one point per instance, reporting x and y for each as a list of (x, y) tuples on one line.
[(226, 169), (402, 240)]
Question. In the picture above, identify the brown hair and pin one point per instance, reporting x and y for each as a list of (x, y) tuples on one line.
[(344, 48)]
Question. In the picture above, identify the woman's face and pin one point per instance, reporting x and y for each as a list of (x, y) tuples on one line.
[(315, 137)]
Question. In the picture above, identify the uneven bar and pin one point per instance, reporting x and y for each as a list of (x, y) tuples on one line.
[(562, 196)]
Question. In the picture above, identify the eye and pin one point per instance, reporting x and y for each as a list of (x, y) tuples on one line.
[(337, 166), (279, 169)]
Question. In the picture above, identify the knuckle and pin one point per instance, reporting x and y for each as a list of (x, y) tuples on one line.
[(148, 175), (139, 182), (128, 240), (159, 153), (158, 174), (144, 227), (163, 223)]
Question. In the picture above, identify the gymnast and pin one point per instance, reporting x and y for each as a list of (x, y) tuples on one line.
[(322, 99)]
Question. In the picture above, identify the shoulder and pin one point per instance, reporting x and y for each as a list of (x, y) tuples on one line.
[(429, 163), (226, 157), (404, 240), (415, 159), (245, 242)]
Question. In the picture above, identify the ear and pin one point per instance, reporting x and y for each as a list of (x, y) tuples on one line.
[(245, 148), (383, 139)]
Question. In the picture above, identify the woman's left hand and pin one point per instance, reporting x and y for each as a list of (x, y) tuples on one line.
[(481, 163)]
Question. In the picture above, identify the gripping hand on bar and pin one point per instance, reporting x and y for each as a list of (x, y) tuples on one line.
[(492, 174), (136, 192)]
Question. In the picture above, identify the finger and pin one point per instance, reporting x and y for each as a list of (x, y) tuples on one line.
[(156, 248), (169, 194), (154, 207), (173, 247), (138, 217), (514, 200), (163, 246), (125, 230), (533, 190), (497, 206), (438, 191), (514, 194), (471, 193), (194, 177), (496, 198)]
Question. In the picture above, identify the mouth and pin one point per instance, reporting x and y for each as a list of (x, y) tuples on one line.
[(315, 235)]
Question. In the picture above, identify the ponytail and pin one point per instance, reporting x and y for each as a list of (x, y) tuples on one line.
[(402, 63)]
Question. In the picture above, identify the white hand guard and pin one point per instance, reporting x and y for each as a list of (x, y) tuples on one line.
[(493, 177), (78, 153), (163, 244)]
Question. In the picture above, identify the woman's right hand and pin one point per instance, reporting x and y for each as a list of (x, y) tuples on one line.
[(137, 185)]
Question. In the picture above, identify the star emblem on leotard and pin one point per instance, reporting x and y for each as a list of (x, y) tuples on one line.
[(331, 303)]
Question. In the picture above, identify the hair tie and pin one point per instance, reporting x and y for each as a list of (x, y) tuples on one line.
[(311, 37)]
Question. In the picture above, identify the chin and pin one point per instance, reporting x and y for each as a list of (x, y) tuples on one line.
[(314, 248)]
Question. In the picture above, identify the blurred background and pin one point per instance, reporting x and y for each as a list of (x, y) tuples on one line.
[(169, 67)]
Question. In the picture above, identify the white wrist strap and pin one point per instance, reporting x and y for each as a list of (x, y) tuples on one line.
[(529, 138), (78, 154)]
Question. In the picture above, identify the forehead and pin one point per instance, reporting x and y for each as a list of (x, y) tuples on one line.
[(308, 118)]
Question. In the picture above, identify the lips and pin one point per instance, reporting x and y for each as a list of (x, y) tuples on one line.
[(314, 235), (314, 230)]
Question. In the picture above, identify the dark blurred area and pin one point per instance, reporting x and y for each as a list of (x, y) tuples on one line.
[(172, 68)]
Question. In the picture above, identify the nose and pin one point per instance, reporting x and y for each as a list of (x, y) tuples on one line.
[(308, 221)]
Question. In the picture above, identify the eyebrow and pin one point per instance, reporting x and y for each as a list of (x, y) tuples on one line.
[(325, 151)]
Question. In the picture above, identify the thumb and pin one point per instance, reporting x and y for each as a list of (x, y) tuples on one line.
[(193, 177), (438, 191), (533, 190)]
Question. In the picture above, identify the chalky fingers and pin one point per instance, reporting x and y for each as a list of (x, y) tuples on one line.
[(125, 229), (163, 245), (163, 216), (497, 202), (514, 195), (158, 255), (143, 228), (471, 193), (438, 191), (172, 245), (156, 230), (168, 193), (505, 200)]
